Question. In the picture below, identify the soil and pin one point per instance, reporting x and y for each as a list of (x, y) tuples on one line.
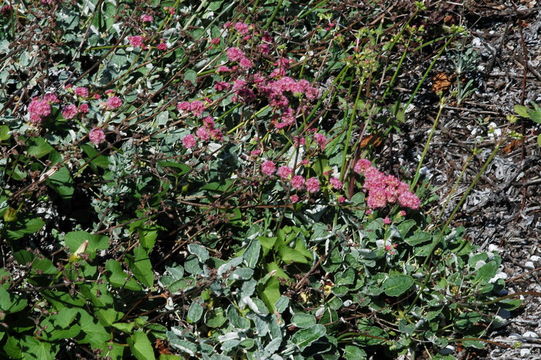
[(503, 211)]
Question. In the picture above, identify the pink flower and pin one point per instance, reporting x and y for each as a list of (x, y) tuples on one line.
[(137, 41), (38, 109), (297, 182), (197, 108), (402, 213), (361, 166), (376, 198), (246, 63), (235, 54), (84, 108), (183, 106), (216, 134), (409, 200), (268, 167), (284, 172), (202, 133), (96, 136), (70, 111), (387, 221), (51, 98), (312, 185), (113, 102), (162, 46), (321, 140), (209, 122), (97, 96), (146, 18), (336, 183), (294, 198), (222, 85), (189, 141), (223, 68), (255, 153), (242, 28), (81, 91), (341, 199)]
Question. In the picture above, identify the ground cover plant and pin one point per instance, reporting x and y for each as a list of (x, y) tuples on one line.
[(208, 180)]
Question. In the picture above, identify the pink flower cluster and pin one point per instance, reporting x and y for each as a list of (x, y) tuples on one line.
[(113, 102), (384, 189), (195, 107), (40, 108), (96, 136), (70, 111), (297, 182), (204, 133), (146, 18), (236, 54), (137, 41), (242, 28)]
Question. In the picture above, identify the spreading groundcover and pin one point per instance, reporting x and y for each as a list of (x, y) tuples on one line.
[(195, 179)]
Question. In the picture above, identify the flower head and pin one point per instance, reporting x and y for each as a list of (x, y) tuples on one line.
[(297, 182), (96, 136), (146, 18), (189, 141), (81, 91), (70, 111), (284, 172), (113, 102), (268, 167), (312, 185)]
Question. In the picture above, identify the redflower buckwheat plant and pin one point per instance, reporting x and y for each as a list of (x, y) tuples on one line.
[(190, 179)]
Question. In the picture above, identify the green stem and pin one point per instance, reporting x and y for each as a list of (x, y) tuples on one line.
[(427, 144)]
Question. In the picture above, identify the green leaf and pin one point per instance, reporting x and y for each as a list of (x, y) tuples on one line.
[(141, 267), (183, 345), (251, 255), (522, 111), (44, 266), (195, 312), (124, 327), (354, 353), (108, 316), (65, 317), (5, 300), (97, 159), (539, 140), (96, 334), (396, 285), (303, 320), (183, 168), (215, 318), (200, 251), (39, 148), (74, 239), (305, 337), (486, 272), (510, 304), (141, 347), (119, 278), (417, 238), (271, 293), (4, 132), (190, 76), (147, 238), (62, 183), (26, 227)]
